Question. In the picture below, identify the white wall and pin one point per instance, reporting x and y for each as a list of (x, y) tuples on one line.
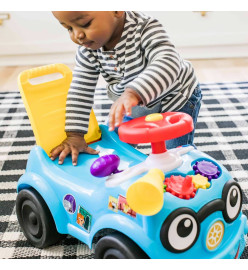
[(37, 38), (217, 34), (33, 32), (34, 37)]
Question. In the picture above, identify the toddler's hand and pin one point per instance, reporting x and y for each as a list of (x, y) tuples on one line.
[(73, 144), (123, 105)]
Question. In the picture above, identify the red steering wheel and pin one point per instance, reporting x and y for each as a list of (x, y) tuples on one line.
[(156, 129)]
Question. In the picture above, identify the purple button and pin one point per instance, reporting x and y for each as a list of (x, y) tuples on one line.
[(207, 169), (105, 165)]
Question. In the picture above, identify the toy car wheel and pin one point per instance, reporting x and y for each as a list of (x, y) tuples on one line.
[(36, 220), (118, 246)]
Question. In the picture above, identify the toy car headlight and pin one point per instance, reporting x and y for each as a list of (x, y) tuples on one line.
[(232, 196), (180, 230)]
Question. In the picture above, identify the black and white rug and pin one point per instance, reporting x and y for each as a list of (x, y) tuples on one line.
[(221, 132)]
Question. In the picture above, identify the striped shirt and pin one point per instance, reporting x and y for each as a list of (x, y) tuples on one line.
[(144, 59)]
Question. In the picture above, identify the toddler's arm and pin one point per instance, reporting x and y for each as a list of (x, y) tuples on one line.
[(123, 105), (164, 64), (156, 80), (80, 96), (73, 144), (79, 103)]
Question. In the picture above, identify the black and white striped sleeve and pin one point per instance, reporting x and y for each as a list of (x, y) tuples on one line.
[(80, 96), (163, 63)]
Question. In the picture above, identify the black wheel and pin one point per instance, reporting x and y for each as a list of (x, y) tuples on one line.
[(118, 246), (36, 220)]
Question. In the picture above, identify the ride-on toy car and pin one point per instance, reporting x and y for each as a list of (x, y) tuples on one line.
[(177, 203)]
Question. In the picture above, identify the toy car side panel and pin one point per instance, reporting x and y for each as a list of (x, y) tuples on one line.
[(124, 225), (32, 180)]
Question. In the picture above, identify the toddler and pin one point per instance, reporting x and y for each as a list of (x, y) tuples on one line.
[(144, 72)]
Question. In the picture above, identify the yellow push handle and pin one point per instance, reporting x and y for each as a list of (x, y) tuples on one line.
[(146, 195), (45, 105), (45, 70)]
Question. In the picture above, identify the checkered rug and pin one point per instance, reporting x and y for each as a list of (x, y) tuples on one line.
[(221, 132)]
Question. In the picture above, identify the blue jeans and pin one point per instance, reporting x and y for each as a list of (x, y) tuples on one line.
[(192, 107)]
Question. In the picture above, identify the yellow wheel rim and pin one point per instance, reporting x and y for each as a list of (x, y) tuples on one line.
[(215, 235)]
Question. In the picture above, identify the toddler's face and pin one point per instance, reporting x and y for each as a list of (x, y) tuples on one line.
[(92, 29)]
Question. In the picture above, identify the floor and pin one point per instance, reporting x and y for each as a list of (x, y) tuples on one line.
[(212, 70)]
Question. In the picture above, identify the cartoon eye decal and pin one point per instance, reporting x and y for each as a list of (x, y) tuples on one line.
[(180, 230), (232, 196)]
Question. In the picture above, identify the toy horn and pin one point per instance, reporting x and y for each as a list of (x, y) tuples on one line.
[(146, 195)]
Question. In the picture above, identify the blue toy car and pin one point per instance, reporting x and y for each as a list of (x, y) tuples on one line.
[(177, 203)]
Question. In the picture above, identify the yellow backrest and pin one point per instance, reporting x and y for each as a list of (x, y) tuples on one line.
[(45, 105)]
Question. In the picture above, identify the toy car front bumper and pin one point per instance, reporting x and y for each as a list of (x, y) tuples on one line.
[(243, 240), (236, 247), (233, 248)]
